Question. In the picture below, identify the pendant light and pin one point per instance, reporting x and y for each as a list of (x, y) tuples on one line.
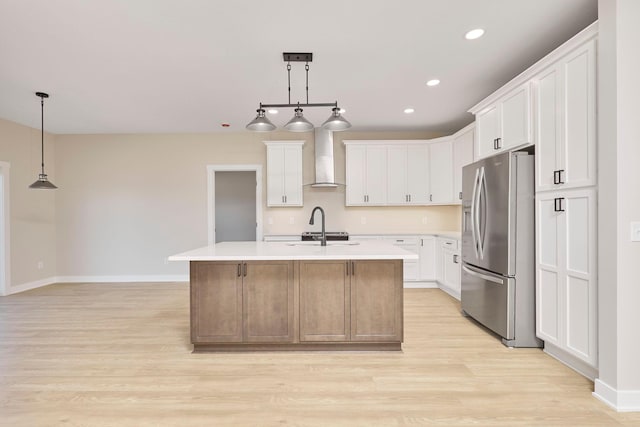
[(298, 123), (261, 123), (42, 183), (335, 122)]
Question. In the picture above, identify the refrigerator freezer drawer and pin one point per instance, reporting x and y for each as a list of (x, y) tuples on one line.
[(489, 298)]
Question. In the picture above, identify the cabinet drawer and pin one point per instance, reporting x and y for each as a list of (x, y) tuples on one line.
[(450, 244)]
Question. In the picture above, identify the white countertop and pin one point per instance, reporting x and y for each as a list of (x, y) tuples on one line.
[(278, 251)]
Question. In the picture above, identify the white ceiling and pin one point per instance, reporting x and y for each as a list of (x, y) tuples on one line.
[(164, 66)]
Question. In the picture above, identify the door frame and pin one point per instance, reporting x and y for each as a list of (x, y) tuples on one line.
[(211, 194), (5, 215)]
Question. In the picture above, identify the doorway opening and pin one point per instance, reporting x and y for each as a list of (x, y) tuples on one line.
[(4, 229), (234, 203)]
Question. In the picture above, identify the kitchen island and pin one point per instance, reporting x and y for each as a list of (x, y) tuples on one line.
[(266, 296)]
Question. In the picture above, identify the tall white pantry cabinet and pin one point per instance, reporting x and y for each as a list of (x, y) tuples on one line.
[(566, 191), (562, 111)]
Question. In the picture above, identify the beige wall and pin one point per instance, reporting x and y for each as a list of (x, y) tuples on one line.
[(32, 212), (126, 202)]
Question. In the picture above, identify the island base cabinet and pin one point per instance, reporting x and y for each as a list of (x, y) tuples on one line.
[(376, 301), (296, 305), (216, 302), (268, 300), (242, 302), (325, 301)]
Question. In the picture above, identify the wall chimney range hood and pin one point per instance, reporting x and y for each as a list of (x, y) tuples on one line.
[(325, 166)]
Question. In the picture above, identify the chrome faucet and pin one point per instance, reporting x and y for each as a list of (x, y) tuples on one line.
[(323, 238)]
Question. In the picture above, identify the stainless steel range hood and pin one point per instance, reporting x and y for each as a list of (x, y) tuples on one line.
[(325, 165)]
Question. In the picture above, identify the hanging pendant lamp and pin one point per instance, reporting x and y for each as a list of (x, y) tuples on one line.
[(42, 183), (261, 123), (299, 123), (336, 122)]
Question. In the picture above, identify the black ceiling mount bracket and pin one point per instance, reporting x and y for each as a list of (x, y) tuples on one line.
[(297, 56), (42, 94)]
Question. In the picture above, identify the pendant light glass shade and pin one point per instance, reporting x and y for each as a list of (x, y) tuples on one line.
[(261, 123), (42, 182), (298, 123), (336, 122)]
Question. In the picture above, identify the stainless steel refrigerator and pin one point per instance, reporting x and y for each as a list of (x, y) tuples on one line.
[(498, 246)]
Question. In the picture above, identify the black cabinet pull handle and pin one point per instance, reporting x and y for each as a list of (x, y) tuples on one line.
[(555, 177), (460, 195), (557, 204), (455, 259), (239, 270), (244, 269), (498, 141), (560, 180), (353, 268)]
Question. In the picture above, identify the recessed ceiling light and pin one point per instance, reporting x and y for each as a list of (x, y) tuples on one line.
[(272, 111), (433, 82), (409, 110), (474, 34)]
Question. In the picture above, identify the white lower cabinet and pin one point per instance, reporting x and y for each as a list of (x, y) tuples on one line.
[(447, 261), (411, 268), (566, 287), (427, 258)]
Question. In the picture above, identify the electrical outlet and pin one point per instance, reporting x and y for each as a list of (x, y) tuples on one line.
[(363, 220), (635, 231), (40, 265), (425, 219)]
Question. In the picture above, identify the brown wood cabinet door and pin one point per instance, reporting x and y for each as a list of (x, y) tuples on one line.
[(376, 300), (216, 302), (268, 301), (324, 301)]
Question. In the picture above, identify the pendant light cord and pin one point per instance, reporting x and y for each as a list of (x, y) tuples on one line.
[(42, 132), (306, 67), (289, 80)]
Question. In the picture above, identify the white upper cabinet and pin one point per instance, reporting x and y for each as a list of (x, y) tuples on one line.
[(366, 175), (565, 121), (407, 174), (441, 171), (284, 173), (462, 155), (505, 123)]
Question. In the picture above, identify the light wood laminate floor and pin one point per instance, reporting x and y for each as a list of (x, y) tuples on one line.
[(119, 355)]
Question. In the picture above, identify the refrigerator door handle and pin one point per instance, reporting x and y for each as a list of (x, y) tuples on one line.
[(482, 276), (482, 224), (473, 213)]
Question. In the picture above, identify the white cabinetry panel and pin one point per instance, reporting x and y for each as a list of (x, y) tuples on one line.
[(462, 155), (284, 173), (566, 280), (441, 171)]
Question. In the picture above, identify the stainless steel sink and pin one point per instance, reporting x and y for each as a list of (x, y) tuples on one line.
[(330, 243)]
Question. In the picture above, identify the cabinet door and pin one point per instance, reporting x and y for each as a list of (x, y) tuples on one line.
[(325, 300), (268, 301), (410, 268), (397, 193), (427, 258), (216, 302), (487, 130), (462, 156), (566, 271), (441, 172), (292, 185), (376, 175), (275, 176), (451, 271), (418, 165), (548, 127), (376, 301), (356, 156), (549, 249), (516, 118), (580, 311), (579, 150)]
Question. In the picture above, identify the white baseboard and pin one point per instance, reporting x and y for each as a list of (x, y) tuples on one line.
[(419, 285), (31, 285), (96, 279), (450, 291), (571, 361), (620, 400), (125, 278)]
